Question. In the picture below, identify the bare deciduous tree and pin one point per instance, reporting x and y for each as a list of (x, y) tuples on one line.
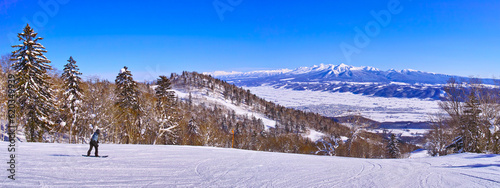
[(473, 112)]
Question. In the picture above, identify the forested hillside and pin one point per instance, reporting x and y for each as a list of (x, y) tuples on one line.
[(185, 109), (154, 117)]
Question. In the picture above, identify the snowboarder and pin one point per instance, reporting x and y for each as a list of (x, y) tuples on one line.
[(94, 142)]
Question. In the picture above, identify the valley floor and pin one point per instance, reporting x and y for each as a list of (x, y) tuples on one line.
[(335, 104), (61, 165)]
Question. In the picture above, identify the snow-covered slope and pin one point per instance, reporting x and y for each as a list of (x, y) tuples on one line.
[(61, 165), (216, 98)]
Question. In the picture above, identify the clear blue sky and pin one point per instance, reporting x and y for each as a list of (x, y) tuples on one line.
[(455, 37)]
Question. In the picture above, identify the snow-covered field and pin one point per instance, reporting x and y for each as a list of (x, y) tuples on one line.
[(339, 104), (403, 132), (61, 165)]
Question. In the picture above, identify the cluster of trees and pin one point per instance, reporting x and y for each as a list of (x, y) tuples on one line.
[(58, 106), (290, 124), (4, 71), (289, 120), (470, 122)]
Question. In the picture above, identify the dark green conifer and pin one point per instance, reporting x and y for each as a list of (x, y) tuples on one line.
[(33, 89)]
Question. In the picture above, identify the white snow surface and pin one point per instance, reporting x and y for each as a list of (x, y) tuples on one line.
[(61, 165), (340, 104), (313, 135), (402, 132), (420, 153)]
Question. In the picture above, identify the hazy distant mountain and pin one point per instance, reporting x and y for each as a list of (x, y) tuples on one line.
[(405, 83)]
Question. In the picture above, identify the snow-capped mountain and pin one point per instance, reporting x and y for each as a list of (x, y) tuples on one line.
[(331, 90), (332, 70), (364, 80), (342, 72), (252, 74)]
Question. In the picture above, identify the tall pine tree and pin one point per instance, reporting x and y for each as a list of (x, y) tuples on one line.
[(72, 95), (33, 89), (193, 131), (164, 94), (470, 127), (168, 117), (393, 147), (129, 109)]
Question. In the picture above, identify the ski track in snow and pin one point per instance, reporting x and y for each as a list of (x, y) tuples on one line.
[(61, 165)]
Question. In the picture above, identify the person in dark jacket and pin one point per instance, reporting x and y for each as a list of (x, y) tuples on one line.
[(94, 142)]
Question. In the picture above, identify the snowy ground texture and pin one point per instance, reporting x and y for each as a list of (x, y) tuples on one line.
[(61, 165)]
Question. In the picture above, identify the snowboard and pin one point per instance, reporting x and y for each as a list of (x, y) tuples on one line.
[(101, 156)]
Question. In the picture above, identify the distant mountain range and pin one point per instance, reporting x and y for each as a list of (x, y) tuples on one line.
[(364, 80)]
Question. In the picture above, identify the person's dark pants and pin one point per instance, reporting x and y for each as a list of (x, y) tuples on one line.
[(93, 144)]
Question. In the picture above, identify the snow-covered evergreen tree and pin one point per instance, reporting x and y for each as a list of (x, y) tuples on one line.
[(72, 95), (126, 90), (472, 134), (164, 94), (129, 109), (473, 110), (33, 89), (167, 113), (393, 147), (192, 127), (190, 100), (193, 133)]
